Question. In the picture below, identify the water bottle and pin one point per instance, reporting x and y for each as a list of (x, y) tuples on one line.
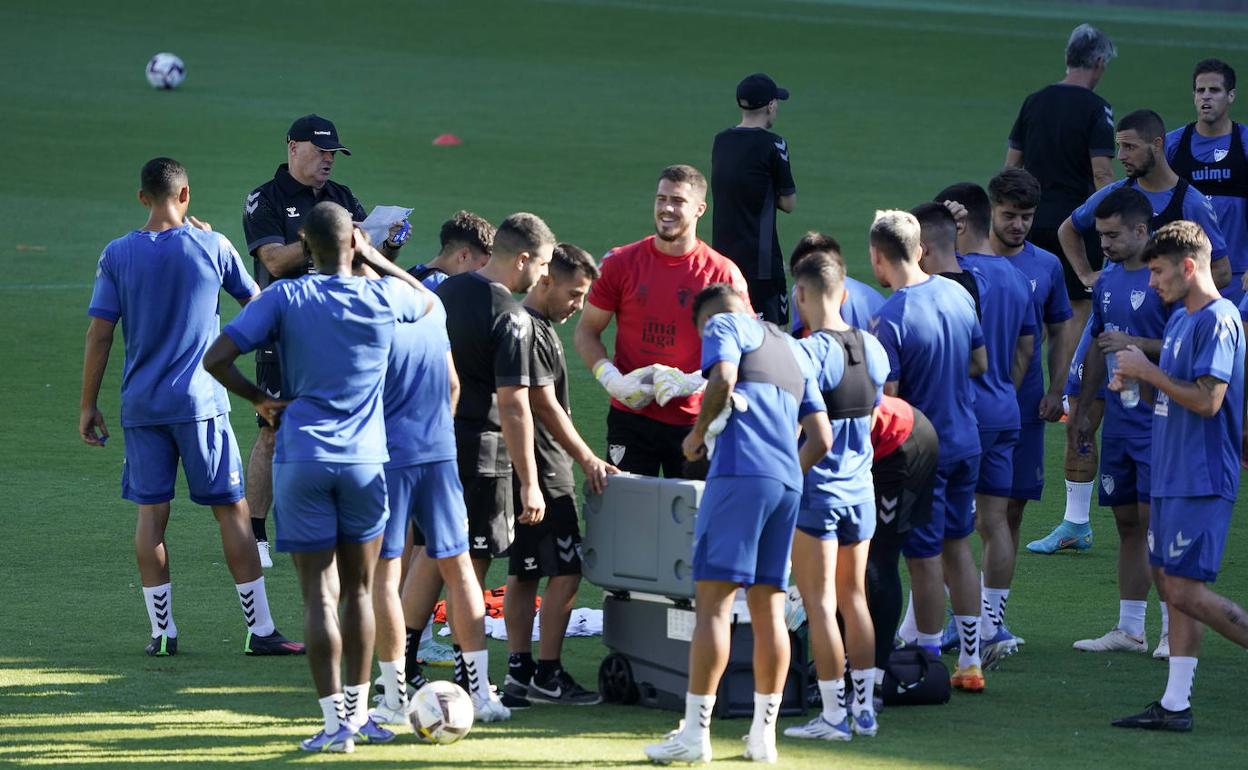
[(1130, 393)]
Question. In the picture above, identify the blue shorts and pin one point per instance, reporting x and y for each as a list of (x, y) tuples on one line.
[(431, 496), (849, 524), (210, 460), (1029, 463), (318, 505), (1126, 470), (953, 509), (744, 531), (996, 463), (1186, 535)]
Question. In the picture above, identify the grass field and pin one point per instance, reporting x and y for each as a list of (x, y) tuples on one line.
[(567, 109)]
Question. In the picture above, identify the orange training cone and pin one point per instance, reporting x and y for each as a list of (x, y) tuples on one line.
[(447, 140)]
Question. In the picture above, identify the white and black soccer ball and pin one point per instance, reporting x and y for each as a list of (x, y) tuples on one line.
[(165, 71), (441, 712)]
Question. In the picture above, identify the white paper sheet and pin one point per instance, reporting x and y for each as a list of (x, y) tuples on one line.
[(377, 225)]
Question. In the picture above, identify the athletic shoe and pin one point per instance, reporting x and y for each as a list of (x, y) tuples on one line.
[(970, 679), (675, 749), (163, 646), (515, 694), (1116, 640), (759, 749), (822, 729), (342, 741), (949, 639), (385, 715), (1158, 717), (371, 732), (1064, 535), (1161, 653), (562, 689), (490, 709), (992, 651), (864, 723), (273, 644), (1020, 641), (266, 559), (431, 652)]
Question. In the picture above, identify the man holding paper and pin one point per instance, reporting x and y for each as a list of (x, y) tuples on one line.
[(273, 215)]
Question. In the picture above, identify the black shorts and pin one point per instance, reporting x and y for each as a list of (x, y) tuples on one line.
[(552, 547), (770, 299), (903, 481), (491, 517), (269, 378), (638, 444), (1046, 238)]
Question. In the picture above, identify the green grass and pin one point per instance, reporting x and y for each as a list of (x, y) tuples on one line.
[(566, 109)]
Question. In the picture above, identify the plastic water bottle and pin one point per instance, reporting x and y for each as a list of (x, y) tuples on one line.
[(1130, 393)]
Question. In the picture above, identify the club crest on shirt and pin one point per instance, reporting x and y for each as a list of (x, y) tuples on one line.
[(1107, 483), (1220, 155), (683, 294), (1137, 299), (1033, 285)]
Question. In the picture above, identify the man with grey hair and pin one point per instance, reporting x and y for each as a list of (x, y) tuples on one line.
[(1064, 135), (935, 346)]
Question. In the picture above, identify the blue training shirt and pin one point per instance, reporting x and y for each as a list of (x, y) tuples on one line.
[(1196, 208), (1043, 271), (928, 331), (862, 301), (1122, 301), (843, 477), (1007, 313), (333, 335), (762, 440), (417, 396), (164, 288), (1232, 212), (1194, 456)]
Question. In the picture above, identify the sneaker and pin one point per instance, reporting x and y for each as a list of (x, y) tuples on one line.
[(266, 559), (1065, 535), (822, 729), (490, 709), (759, 749), (515, 694), (1161, 653), (342, 741), (949, 639), (371, 732), (385, 715), (970, 679), (674, 748), (273, 644), (864, 723), (163, 646), (1000, 646), (561, 689), (431, 652), (1158, 717), (1116, 640)]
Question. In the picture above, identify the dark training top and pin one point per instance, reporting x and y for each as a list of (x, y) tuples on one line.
[(554, 465), (1059, 129), (749, 172)]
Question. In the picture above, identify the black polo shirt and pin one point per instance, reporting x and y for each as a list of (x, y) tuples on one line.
[(273, 213), (554, 465), (749, 172)]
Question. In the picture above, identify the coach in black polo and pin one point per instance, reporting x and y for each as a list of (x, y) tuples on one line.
[(273, 221), (750, 179)]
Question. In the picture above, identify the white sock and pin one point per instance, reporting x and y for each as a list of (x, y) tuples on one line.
[(1179, 684), (993, 602), (159, 601), (930, 641), (477, 672), (355, 702), (908, 631), (332, 711), (832, 691), (968, 637), (255, 603), (698, 710), (1078, 501), (766, 709), (1165, 619), (864, 684), (1131, 617), (392, 676)]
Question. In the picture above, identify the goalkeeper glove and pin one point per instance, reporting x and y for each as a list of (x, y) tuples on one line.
[(631, 389)]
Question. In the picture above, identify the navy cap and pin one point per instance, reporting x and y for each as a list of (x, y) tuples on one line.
[(317, 130), (757, 90)]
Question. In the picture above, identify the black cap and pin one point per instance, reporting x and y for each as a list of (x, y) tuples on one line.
[(317, 130), (757, 90)]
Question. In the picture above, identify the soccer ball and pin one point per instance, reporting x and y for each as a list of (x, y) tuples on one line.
[(441, 712), (165, 71)]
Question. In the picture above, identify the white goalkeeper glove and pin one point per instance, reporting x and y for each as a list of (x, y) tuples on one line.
[(634, 390), (736, 403), (670, 382)]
